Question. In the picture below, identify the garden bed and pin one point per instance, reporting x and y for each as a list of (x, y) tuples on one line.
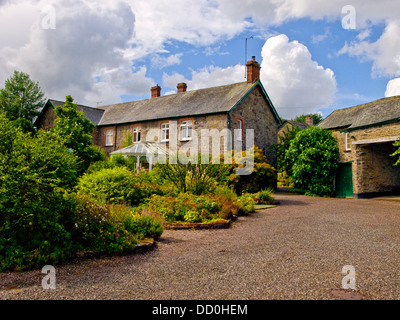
[(216, 224), (143, 245)]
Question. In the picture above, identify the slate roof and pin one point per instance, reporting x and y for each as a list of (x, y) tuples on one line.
[(298, 124), (92, 114), (190, 103), (374, 113)]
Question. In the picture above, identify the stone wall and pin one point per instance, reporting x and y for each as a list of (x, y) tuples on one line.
[(373, 170), (150, 130), (46, 120), (257, 115)]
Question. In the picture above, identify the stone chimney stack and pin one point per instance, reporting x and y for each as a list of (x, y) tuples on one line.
[(182, 87), (309, 120), (253, 70), (156, 92)]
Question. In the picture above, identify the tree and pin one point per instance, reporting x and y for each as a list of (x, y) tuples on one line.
[(36, 215), (397, 152), (75, 131), (317, 118), (21, 97), (283, 146), (313, 156)]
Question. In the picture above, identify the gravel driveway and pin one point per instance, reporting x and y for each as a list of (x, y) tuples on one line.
[(294, 251)]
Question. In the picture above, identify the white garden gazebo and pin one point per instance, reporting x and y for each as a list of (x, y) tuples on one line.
[(153, 151)]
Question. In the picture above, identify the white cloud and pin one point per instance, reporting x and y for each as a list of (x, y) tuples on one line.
[(197, 22), (160, 62), (210, 76), (385, 52), (97, 42), (277, 12), (393, 88), (295, 83), (90, 37)]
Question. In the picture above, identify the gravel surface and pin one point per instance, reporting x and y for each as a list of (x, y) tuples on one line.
[(294, 251)]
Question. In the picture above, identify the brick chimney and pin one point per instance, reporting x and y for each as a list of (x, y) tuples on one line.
[(253, 70), (309, 121), (156, 91), (182, 87)]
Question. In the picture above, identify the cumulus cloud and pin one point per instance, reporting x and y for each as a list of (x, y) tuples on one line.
[(89, 40), (295, 83), (197, 22), (393, 88), (277, 12), (98, 42), (384, 52)]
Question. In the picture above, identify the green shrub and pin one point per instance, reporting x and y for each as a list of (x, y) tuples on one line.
[(118, 185), (108, 186), (137, 222), (36, 213), (313, 156), (266, 196), (96, 229), (187, 207), (194, 176), (246, 204), (262, 176), (284, 180)]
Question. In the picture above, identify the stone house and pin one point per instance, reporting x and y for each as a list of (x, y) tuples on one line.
[(288, 125), (47, 115), (365, 136), (229, 111)]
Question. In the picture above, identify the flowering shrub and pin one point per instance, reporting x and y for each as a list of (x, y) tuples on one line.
[(187, 207), (112, 228), (96, 230), (246, 204), (262, 176)]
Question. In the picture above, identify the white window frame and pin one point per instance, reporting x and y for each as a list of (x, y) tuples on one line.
[(165, 132), (240, 128), (109, 135), (186, 130), (347, 145), (136, 134)]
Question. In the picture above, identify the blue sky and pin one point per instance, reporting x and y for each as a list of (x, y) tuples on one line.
[(324, 40), (105, 52)]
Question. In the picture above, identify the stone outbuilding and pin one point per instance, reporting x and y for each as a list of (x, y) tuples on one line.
[(289, 125), (365, 136)]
